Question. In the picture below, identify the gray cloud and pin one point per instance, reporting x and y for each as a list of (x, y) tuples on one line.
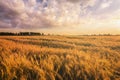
[(73, 0), (6, 12), (27, 14)]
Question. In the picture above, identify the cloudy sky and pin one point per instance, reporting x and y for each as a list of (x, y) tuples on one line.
[(61, 16)]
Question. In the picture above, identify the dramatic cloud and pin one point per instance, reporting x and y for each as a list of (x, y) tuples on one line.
[(41, 13), (59, 14)]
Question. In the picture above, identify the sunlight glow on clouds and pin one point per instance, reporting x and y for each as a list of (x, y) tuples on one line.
[(64, 15), (105, 4)]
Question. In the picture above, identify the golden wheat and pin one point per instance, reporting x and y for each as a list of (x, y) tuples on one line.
[(60, 58)]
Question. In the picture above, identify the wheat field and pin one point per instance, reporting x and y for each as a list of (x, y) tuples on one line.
[(60, 58)]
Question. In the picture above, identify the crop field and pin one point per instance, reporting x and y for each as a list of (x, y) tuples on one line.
[(60, 58)]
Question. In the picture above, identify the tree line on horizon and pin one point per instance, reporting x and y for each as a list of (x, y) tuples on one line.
[(40, 34), (21, 34)]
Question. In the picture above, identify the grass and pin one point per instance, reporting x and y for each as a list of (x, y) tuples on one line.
[(60, 58)]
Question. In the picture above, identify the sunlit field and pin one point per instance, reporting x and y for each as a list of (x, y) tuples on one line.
[(60, 58)]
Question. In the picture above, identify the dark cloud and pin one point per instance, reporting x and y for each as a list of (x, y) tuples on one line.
[(7, 13), (17, 16), (7, 16), (73, 0), (38, 13), (83, 2), (39, 1)]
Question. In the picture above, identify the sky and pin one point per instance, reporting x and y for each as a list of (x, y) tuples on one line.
[(61, 16)]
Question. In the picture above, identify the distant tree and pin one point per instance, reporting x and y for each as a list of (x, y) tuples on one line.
[(6, 33), (42, 34)]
